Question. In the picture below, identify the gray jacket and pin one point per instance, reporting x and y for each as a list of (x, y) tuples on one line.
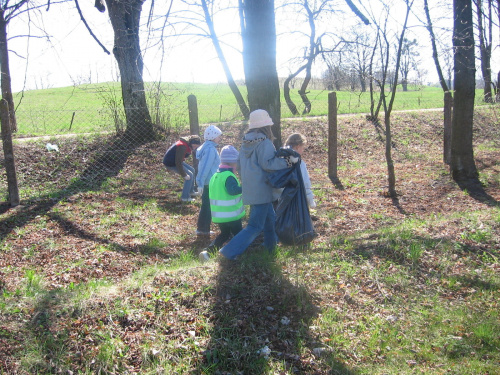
[(257, 158)]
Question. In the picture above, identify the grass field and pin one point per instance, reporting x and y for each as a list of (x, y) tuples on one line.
[(97, 107), (104, 278)]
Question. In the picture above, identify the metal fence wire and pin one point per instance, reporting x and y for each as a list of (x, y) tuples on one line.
[(75, 148)]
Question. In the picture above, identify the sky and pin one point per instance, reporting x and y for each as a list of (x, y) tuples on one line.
[(71, 56)]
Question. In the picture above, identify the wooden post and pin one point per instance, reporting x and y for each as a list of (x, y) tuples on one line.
[(194, 125), (448, 112), (332, 137), (8, 151)]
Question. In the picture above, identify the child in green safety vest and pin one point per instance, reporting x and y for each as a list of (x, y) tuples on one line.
[(226, 203)]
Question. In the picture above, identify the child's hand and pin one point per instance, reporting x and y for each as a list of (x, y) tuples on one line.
[(187, 177), (312, 203)]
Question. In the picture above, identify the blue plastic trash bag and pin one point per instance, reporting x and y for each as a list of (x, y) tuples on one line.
[(293, 221)]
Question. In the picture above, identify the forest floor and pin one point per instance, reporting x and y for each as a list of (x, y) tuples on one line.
[(72, 255)]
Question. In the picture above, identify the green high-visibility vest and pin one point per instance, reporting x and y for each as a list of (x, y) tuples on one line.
[(224, 206)]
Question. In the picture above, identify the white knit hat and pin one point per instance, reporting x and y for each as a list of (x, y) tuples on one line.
[(258, 119), (211, 132)]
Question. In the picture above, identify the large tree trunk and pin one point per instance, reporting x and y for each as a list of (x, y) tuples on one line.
[(5, 71), (259, 59), (462, 154), (125, 16)]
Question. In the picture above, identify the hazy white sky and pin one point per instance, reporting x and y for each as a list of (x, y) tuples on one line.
[(71, 56)]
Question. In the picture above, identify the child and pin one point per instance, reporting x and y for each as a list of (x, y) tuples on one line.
[(226, 203), (208, 162), (174, 160), (298, 143), (256, 159)]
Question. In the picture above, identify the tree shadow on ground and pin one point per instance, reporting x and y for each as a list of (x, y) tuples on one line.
[(107, 163), (475, 189), (260, 322)]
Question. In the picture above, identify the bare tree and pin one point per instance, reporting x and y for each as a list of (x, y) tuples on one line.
[(435, 54), (311, 52), (230, 80), (409, 60), (199, 19), (125, 16), (485, 33), (385, 51), (7, 13), (258, 33), (334, 76), (462, 164), (358, 54)]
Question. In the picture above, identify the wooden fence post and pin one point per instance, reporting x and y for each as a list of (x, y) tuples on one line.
[(448, 111), (194, 125), (332, 137), (8, 151)]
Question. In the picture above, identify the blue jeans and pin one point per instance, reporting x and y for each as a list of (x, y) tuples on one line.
[(262, 219), (205, 216), (188, 187)]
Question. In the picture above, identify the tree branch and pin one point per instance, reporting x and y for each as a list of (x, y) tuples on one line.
[(357, 12), (88, 27)]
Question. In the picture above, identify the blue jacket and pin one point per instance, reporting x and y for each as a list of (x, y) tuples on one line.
[(257, 158), (208, 162)]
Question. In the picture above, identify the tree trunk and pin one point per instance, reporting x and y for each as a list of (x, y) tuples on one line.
[(462, 154), (125, 16), (497, 93), (485, 48), (286, 92), (259, 59), (362, 82), (404, 84), (8, 152), (5, 71), (230, 80)]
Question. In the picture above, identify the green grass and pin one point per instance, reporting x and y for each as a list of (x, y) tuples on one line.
[(97, 107)]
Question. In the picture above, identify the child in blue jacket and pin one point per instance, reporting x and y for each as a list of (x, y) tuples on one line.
[(208, 162)]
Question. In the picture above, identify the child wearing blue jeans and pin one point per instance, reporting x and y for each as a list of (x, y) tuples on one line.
[(256, 159), (226, 202)]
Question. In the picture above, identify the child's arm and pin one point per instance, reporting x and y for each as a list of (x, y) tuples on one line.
[(307, 185), (232, 186), (204, 167)]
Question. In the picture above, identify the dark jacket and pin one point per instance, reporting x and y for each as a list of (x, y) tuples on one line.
[(176, 154)]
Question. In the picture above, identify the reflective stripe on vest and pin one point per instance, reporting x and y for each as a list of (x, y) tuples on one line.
[(227, 215), (220, 202)]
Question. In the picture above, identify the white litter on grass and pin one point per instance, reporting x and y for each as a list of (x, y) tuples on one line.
[(51, 147), (264, 352), (285, 321)]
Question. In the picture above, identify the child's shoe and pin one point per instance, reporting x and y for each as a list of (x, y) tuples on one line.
[(204, 256)]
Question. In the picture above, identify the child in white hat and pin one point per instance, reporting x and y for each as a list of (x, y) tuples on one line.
[(208, 162)]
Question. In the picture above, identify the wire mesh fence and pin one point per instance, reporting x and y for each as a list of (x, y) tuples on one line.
[(94, 141)]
